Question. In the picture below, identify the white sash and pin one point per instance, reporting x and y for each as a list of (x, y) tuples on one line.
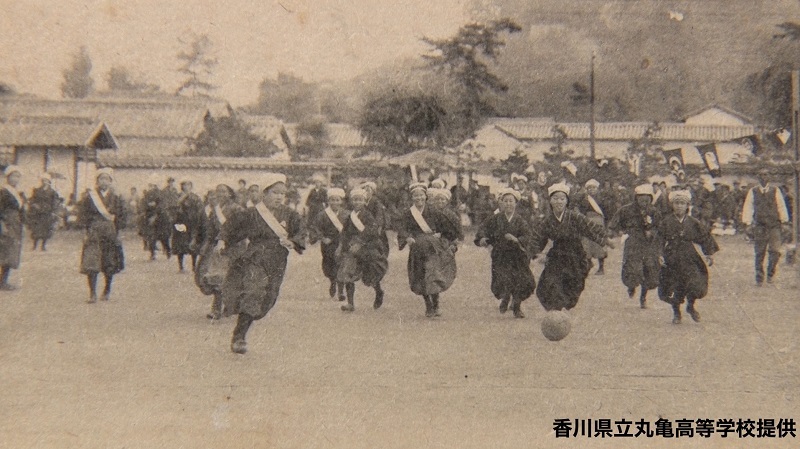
[(220, 215), (420, 220), (271, 221), (357, 221), (98, 204), (15, 194), (334, 219), (595, 206)]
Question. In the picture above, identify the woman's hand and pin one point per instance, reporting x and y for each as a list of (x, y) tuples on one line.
[(327, 241), (709, 261), (410, 241), (511, 238), (484, 242), (662, 261)]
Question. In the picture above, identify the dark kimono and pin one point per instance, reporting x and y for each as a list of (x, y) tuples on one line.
[(254, 279), (684, 273), (102, 249), (315, 203), (158, 215), (567, 267), (640, 266), (431, 261), (42, 212), (511, 271), (585, 207), (213, 264), (369, 263), (186, 229), (322, 227), (11, 215), (378, 210)]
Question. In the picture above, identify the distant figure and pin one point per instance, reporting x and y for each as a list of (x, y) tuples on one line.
[(241, 194), (317, 199), (185, 231), (42, 214), (764, 211), (12, 206)]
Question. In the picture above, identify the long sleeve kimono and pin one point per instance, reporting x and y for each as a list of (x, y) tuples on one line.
[(369, 262), (567, 266), (640, 264), (583, 204), (378, 210), (323, 227), (431, 262), (11, 216), (254, 279), (684, 273), (186, 229), (511, 271), (42, 212), (102, 249), (213, 263)]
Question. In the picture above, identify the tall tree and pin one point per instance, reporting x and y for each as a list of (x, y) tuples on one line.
[(288, 97), (464, 59), (120, 79), (399, 122), (78, 82), (229, 136), (198, 67)]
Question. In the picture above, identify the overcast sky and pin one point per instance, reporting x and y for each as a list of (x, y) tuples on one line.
[(253, 39)]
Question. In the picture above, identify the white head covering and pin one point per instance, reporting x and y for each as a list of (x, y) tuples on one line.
[(444, 193), (417, 185), (104, 171), (643, 189), (592, 183), (270, 179), (508, 191), (438, 183), (681, 194), (369, 184), (337, 192), (559, 187), (358, 192), (318, 177), (515, 177), (11, 169)]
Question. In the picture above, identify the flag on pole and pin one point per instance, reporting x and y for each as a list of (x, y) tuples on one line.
[(708, 153), (674, 159)]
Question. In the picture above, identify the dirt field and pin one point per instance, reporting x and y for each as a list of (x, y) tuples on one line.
[(147, 370)]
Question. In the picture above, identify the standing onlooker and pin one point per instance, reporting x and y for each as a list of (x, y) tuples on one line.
[(12, 206), (765, 210), (317, 198), (42, 214), (185, 231)]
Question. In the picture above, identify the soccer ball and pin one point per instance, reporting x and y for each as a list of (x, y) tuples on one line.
[(556, 325)]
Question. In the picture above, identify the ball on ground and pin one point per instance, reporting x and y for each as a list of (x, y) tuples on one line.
[(556, 325)]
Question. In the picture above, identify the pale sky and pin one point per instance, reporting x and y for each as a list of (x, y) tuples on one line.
[(315, 39)]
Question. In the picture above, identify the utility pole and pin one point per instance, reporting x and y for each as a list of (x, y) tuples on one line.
[(591, 110), (796, 145)]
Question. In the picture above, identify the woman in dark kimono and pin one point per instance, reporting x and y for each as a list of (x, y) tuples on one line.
[(214, 260), (684, 274), (440, 199), (187, 224), (567, 265), (361, 252), (640, 221), (431, 239), (325, 228), (509, 235), (102, 212), (254, 279), (42, 212), (12, 207)]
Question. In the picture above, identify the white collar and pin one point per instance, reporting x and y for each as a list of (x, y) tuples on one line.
[(561, 218)]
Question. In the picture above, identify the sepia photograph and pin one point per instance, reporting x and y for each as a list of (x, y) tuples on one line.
[(399, 224)]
